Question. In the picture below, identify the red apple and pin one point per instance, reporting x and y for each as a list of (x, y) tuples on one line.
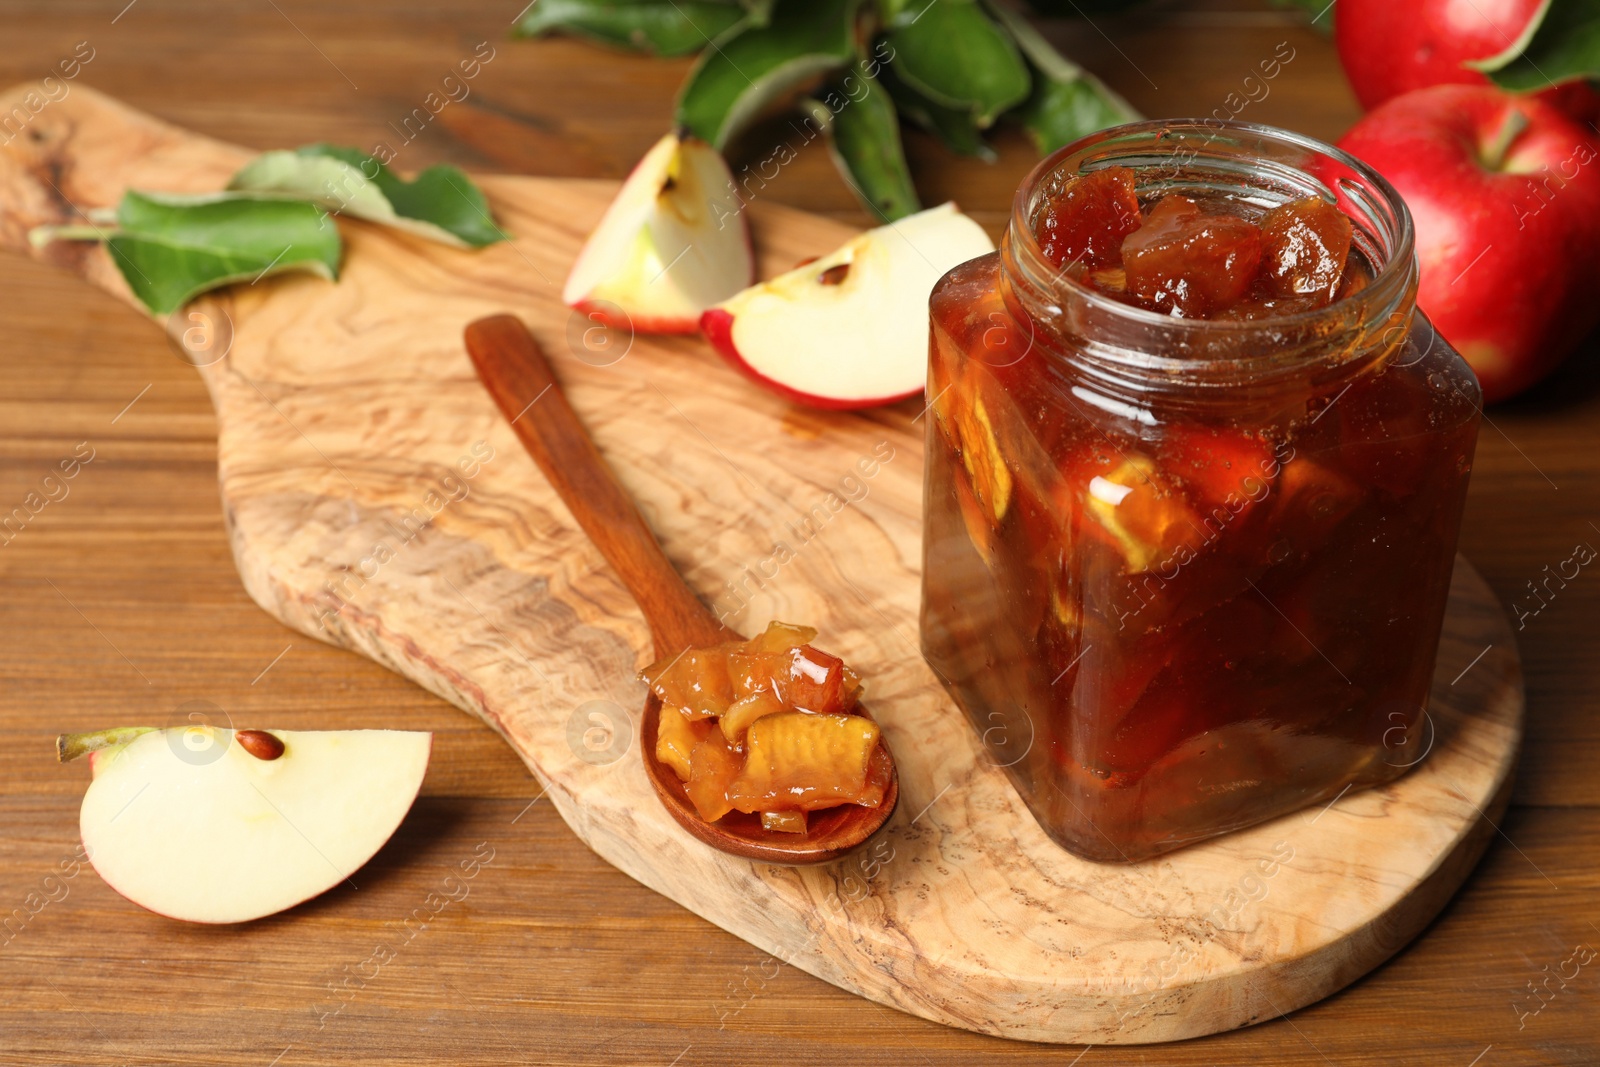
[(1505, 191), (1389, 47)]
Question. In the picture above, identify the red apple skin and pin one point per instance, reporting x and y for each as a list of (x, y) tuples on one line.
[(602, 313), (717, 327), (1390, 47), (1510, 257)]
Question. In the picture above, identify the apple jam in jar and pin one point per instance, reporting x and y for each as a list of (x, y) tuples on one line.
[(1195, 473)]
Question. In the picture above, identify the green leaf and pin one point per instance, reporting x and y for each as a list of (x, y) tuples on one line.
[(955, 55), (1067, 102), (750, 66), (173, 248), (1084, 8), (1561, 44), (441, 205), (1318, 12), (953, 126), (864, 134), (1060, 113), (661, 27)]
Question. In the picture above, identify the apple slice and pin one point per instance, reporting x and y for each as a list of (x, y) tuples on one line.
[(671, 244), (217, 826), (849, 330)]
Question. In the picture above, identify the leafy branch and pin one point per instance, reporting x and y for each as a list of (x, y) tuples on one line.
[(274, 217), (1320, 13), (1561, 44), (952, 67)]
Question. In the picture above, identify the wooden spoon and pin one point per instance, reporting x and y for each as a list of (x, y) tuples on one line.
[(520, 380)]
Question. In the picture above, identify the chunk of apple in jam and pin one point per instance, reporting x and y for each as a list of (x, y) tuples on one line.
[(1189, 263), (713, 767), (780, 637), (981, 456), (676, 736), (747, 710), (771, 726), (1355, 279), (1228, 473), (979, 529), (1306, 244), (1210, 259), (1085, 222), (1312, 500), (784, 822), (1140, 511), (1113, 676), (800, 762), (1113, 281), (696, 682), (880, 770), (803, 678)]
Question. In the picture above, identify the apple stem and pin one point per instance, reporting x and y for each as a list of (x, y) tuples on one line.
[(73, 746), (1510, 129), (40, 236)]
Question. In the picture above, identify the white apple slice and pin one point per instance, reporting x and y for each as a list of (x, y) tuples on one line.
[(849, 330), (191, 824), (671, 244)]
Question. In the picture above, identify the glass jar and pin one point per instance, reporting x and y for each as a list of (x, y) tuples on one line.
[(1186, 575)]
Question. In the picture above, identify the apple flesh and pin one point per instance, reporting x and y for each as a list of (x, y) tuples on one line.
[(188, 823), (850, 329), (1505, 192), (671, 244), (1390, 47)]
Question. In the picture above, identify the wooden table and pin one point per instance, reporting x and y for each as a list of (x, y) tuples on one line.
[(119, 604)]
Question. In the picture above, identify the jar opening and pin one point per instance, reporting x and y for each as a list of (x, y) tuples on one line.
[(1258, 166)]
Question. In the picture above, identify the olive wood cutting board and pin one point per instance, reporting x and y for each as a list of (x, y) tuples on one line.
[(376, 499)]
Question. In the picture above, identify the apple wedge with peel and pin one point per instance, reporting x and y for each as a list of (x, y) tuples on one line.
[(220, 826), (671, 244), (848, 330)]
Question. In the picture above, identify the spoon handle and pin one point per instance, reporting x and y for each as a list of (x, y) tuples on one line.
[(521, 381)]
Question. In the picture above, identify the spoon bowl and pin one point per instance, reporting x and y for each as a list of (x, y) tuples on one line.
[(830, 833), (520, 380)]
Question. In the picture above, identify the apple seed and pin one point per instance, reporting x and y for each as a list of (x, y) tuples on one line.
[(260, 744)]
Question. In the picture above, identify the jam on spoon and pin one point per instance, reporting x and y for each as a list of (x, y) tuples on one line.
[(769, 726)]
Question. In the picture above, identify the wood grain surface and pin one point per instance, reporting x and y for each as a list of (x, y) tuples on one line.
[(377, 498), (121, 598)]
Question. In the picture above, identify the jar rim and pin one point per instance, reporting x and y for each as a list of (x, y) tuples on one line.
[(1385, 292)]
